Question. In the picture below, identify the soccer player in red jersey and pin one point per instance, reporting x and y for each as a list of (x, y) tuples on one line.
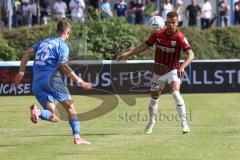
[(169, 42)]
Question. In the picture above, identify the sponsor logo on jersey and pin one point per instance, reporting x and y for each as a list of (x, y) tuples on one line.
[(173, 43), (158, 40), (166, 49)]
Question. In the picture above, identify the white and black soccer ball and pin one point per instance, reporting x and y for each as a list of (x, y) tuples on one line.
[(156, 22)]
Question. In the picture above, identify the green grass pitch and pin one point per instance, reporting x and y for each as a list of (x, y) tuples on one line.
[(214, 120)]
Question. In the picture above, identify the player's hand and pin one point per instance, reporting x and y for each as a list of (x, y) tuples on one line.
[(120, 56), (17, 79), (181, 72), (86, 85)]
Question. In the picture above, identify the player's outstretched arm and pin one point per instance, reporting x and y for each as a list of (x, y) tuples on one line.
[(66, 70), (188, 60), (134, 51), (25, 58)]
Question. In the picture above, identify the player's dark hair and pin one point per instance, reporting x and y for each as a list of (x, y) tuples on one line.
[(172, 14), (62, 26)]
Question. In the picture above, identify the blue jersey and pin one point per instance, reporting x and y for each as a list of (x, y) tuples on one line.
[(48, 84), (50, 53)]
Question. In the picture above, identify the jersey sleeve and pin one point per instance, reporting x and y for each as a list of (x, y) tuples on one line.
[(63, 54), (36, 46), (184, 43), (152, 39)]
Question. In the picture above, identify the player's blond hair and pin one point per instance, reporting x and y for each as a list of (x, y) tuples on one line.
[(63, 26)]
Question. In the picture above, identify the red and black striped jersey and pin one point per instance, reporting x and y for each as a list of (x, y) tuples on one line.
[(168, 48)]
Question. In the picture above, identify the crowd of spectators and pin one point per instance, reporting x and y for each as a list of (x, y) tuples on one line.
[(202, 10), (32, 12)]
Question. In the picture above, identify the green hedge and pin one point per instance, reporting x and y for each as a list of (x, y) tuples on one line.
[(106, 38), (215, 43), (6, 52)]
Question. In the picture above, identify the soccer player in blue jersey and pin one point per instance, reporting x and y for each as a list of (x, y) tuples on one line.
[(50, 63)]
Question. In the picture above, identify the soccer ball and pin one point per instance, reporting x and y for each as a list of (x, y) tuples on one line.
[(156, 22)]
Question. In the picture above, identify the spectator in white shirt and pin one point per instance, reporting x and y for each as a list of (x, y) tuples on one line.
[(179, 9), (60, 9), (27, 13), (206, 14), (167, 7), (77, 10), (34, 10)]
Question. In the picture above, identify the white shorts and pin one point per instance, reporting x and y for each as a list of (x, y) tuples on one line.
[(159, 81)]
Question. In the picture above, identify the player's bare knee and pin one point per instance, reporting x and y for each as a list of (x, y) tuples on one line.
[(70, 109), (68, 104), (155, 95)]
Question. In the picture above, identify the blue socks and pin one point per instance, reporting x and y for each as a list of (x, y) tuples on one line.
[(45, 114), (75, 125)]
